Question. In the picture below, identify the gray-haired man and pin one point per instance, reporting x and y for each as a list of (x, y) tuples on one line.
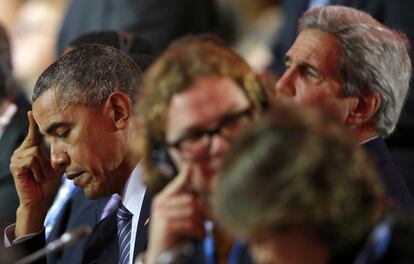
[(361, 69)]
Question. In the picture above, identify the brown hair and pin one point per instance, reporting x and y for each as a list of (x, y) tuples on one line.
[(173, 72)]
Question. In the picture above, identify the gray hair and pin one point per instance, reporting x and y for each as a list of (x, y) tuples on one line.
[(374, 58), (88, 74)]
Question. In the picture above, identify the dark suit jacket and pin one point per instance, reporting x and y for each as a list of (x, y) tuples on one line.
[(157, 21), (102, 246), (79, 210), (399, 249), (394, 183), (12, 137)]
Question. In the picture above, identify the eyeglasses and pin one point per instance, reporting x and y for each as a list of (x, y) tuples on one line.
[(197, 145)]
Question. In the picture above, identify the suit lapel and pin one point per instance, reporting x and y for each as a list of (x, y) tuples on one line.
[(102, 246), (141, 238)]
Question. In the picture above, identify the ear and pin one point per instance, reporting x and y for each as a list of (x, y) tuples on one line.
[(118, 107), (365, 108)]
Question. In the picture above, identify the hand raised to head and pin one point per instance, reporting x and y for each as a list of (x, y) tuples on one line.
[(35, 181)]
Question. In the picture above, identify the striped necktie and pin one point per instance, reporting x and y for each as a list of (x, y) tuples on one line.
[(124, 233)]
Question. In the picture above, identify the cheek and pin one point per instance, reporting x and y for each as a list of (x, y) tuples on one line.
[(343, 109), (309, 94), (88, 158), (97, 157), (316, 95)]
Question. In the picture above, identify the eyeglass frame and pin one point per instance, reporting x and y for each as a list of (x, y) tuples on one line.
[(209, 133)]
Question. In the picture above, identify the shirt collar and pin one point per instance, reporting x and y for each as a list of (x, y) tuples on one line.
[(368, 139), (133, 189)]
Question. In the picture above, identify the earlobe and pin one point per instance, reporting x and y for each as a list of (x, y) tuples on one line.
[(365, 108), (119, 107)]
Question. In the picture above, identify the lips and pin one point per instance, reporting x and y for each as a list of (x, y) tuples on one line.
[(72, 176)]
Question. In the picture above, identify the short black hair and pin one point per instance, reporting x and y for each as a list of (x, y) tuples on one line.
[(88, 74)]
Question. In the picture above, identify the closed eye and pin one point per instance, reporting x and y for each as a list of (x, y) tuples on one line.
[(308, 71), (62, 133)]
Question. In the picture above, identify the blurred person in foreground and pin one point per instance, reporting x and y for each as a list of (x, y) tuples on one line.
[(347, 60), (34, 37), (299, 189), (13, 127), (82, 104), (198, 96), (157, 21)]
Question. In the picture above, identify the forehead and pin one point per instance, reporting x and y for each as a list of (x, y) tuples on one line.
[(47, 109), (206, 100), (46, 104), (317, 47)]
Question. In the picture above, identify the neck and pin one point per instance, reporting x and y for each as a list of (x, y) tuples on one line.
[(364, 133), (124, 171)]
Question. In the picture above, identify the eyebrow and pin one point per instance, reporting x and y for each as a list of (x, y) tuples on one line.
[(55, 125), (286, 58), (300, 63), (201, 127)]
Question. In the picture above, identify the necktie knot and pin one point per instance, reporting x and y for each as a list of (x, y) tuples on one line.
[(123, 213)]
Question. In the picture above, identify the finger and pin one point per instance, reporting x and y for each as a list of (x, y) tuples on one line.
[(33, 134), (180, 183), (26, 152), (47, 169), (174, 216), (182, 199), (37, 171), (186, 228), (183, 205), (33, 156), (29, 168), (45, 165)]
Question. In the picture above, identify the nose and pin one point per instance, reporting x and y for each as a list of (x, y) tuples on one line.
[(59, 157), (285, 86), (219, 145)]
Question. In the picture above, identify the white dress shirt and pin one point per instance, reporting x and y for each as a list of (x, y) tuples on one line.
[(6, 117), (132, 198)]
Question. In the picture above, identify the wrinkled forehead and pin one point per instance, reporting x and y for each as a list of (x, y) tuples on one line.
[(316, 43), (209, 92), (318, 48)]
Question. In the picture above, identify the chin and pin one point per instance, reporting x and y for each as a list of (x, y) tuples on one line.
[(93, 194)]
